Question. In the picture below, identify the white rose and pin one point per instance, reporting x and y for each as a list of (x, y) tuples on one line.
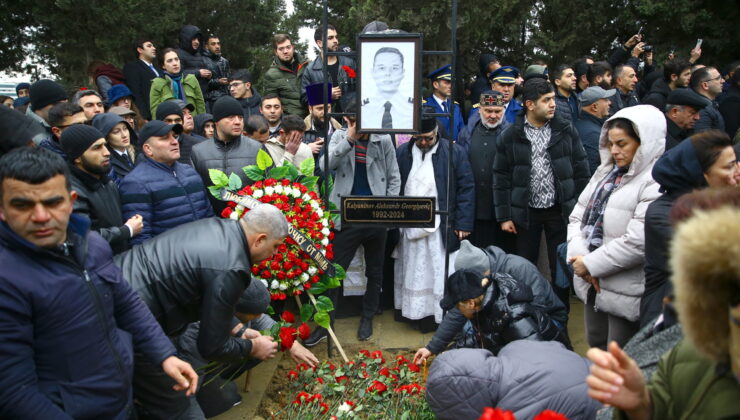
[(296, 192), (312, 270), (320, 212), (306, 197), (296, 282), (325, 242), (325, 231), (283, 286), (304, 277), (279, 189), (325, 222), (323, 251), (258, 194), (274, 285), (269, 190)]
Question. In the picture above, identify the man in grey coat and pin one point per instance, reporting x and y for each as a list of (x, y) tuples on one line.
[(364, 165)]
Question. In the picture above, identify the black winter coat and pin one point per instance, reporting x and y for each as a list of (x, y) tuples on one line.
[(191, 61), (98, 200), (251, 105), (658, 95), (228, 157), (314, 73), (729, 107), (710, 118), (219, 67), (482, 152), (461, 201), (195, 272), (139, 81), (513, 165), (187, 142)]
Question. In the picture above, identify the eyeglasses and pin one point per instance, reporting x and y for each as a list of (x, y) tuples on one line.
[(418, 139), (713, 78)]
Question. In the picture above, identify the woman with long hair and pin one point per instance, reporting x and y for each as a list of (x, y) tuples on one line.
[(175, 84)]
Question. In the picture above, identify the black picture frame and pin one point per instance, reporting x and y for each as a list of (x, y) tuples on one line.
[(404, 95)]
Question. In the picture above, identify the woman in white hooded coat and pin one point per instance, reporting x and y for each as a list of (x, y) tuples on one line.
[(606, 234)]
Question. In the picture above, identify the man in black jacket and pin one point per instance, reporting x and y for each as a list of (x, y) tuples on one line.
[(676, 74), (171, 112), (681, 113), (97, 196), (191, 55), (140, 73), (197, 272), (240, 87), (341, 71), (229, 150), (539, 171), (218, 85), (707, 82)]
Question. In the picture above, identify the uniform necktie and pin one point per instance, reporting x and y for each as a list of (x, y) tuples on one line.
[(444, 106), (387, 119)]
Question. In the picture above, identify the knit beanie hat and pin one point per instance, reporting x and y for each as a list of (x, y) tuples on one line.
[(17, 129), (46, 92), (226, 106), (168, 108), (77, 138), (255, 299), (472, 258)]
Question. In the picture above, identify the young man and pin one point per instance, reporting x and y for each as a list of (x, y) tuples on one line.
[(676, 74), (165, 192), (97, 195), (441, 100), (62, 116), (67, 316), (707, 82), (316, 119), (191, 55), (241, 89), (288, 146), (539, 171), (44, 95), (272, 109), (388, 107), (564, 81), (343, 90), (283, 78), (139, 74), (218, 84)]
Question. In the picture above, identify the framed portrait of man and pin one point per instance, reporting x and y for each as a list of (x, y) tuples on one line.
[(389, 83)]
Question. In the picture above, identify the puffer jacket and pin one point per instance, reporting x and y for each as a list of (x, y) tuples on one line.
[(195, 272), (228, 157), (619, 262), (219, 67), (512, 169), (527, 377), (677, 172), (162, 91), (314, 73), (98, 199), (66, 328), (192, 60), (710, 118), (286, 84), (658, 94), (165, 196)]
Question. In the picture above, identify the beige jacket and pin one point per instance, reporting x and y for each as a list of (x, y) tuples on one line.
[(619, 262), (279, 155)]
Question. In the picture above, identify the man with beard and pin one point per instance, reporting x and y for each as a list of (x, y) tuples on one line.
[(229, 150), (707, 82), (682, 112), (600, 74), (173, 112), (595, 103), (343, 90), (283, 78), (503, 80), (272, 109), (564, 81), (625, 79), (676, 74), (218, 84), (97, 195), (316, 119), (191, 57), (478, 138), (165, 192), (388, 108), (241, 89)]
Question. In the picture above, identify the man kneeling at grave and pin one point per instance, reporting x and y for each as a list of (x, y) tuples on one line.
[(499, 308), (197, 272), (218, 393)]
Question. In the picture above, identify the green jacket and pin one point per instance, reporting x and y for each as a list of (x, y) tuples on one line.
[(286, 84), (688, 386), (162, 90)]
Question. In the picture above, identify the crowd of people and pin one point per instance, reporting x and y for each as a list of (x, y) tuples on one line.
[(120, 277)]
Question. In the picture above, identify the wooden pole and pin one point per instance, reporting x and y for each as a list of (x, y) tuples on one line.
[(331, 331)]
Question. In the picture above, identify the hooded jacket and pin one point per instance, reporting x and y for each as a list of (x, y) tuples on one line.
[(481, 83), (66, 329), (286, 84), (677, 172), (192, 60), (196, 272), (619, 262), (527, 377), (200, 121), (119, 164)]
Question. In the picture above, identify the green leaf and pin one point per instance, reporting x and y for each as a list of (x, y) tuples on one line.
[(308, 166), (310, 181), (270, 310), (322, 318), (293, 172), (306, 312), (323, 303), (264, 160), (235, 183), (215, 191), (340, 273), (218, 178), (405, 415), (254, 173), (275, 330), (278, 172), (318, 288)]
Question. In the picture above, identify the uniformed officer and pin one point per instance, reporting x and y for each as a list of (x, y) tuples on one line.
[(503, 80), (440, 99), (387, 108)]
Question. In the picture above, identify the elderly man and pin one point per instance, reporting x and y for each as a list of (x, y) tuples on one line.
[(682, 111), (479, 140), (197, 272), (67, 316), (595, 105), (388, 108), (419, 269), (504, 80), (165, 192)]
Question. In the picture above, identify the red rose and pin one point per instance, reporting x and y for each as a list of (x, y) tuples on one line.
[(266, 274), (255, 270), (413, 367), (550, 415), (270, 182), (304, 331), (384, 372), (287, 336), (227, 212), (377, 386), (274, 265), (285, 182), (288, 317), (496, 414)]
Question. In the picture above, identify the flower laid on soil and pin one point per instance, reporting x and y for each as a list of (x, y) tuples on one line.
[(499, 414), (366, 387)]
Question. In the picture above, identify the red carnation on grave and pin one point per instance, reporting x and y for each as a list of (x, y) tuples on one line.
[(287, 336), (288, 317), (292, 375), (550, 415), (304, 331), (496, 414), (378, 387), (413, 367), (350, 72), (324, 407), (342, 378), (227, 212)]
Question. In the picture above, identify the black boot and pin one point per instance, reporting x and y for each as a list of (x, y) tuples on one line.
[(366, 329)]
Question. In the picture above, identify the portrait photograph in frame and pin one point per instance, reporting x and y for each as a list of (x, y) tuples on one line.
[(389, 83)]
